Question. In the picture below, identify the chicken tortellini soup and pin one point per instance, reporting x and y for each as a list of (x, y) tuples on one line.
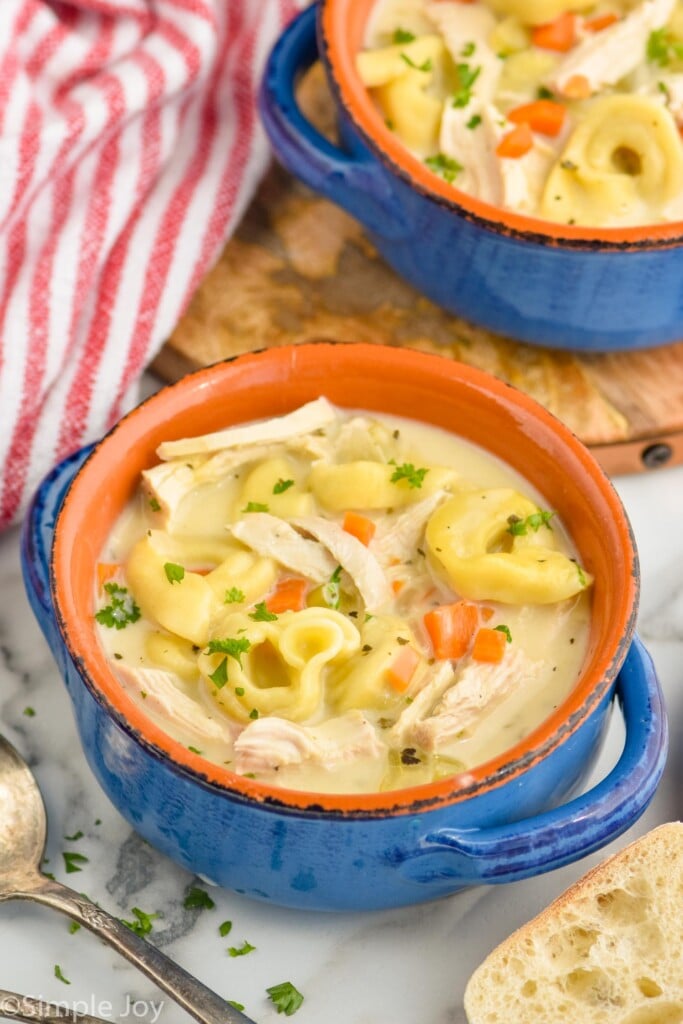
[(335, 602), (568, 110)]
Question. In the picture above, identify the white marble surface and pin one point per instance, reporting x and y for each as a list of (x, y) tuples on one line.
[(403, 967)]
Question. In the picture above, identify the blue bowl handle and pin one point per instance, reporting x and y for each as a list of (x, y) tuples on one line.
[(549, 840), (36, 548), (356, 182)]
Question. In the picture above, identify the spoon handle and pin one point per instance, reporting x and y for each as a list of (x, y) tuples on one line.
[(14, 1006), (199, 1001)]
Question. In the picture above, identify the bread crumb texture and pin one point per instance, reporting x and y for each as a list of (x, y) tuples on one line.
[(608, 951)]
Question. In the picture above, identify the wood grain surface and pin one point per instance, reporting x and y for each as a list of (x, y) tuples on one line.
[(299, 268)]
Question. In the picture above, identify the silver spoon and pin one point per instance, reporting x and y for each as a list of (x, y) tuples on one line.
[(22, 844)]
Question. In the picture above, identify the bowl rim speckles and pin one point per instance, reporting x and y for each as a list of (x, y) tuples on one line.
[(340, 31), (382, 379)]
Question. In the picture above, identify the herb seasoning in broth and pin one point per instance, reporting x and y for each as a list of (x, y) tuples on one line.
[(336, 602)]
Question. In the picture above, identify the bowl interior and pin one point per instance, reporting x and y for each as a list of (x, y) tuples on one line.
[(342, 30), (458, 398)]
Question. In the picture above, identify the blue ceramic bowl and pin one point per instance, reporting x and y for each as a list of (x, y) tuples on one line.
[(503, 821), (544, 283)]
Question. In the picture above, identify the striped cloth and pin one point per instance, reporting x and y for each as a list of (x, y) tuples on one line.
[(129, 147)]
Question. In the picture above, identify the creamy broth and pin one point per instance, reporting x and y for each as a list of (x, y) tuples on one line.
[(360, 605), (569, 110)]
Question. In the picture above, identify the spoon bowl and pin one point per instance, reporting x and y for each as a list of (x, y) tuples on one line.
[(23, 825)]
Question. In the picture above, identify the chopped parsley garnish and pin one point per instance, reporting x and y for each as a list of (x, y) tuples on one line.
[(154, 505), (29, 712), (220, 677), (445, 166), (142, 925), (74, 837), (233, 596), (225, 928), (402, 35), (426, 66), (282, 485), (336, 575), (60, 975), (253, 714), (261, 613), (174, 572), (74, 927), (506, 630), (239, 691), (544, 93), (413, 477), (582, 576), (568, 165), (72, 860), (285, 998), (242, 950), (519, 527), (467, 76), (473, 122), (233, 646), (121, 610), (195, 750), (233, 1002), (661, 48), (468, 49), (255, 506), (197, 898)]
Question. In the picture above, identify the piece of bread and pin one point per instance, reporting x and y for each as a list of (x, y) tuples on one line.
[(608, 951)]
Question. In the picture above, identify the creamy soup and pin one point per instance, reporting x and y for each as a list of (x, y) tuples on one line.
[(339, 602), (569, 110)]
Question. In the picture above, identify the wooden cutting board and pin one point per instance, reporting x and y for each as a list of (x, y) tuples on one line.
[(299, 269)]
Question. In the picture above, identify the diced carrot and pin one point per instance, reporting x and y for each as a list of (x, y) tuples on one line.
[(486, 613), (289, 595), (544, 116), (577, 88), (402, 668), (451, 628), (516, 142), (397, 586), (359, 526), (559, 34), (203, 570), (105, 571), (600, 21), (489, 645)]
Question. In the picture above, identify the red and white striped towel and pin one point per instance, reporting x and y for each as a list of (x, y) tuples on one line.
[(129, 146)]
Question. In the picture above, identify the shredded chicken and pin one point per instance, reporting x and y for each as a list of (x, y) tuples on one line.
[(430, 688), (162, 695), (169, 482), (312, 416), (517, 183), (451, 704), (400, 540), (354, 558), (269, 743), (275, 538), (603, 58), (465, 26)]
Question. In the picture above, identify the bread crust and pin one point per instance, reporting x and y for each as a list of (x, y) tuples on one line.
[(609, 950)]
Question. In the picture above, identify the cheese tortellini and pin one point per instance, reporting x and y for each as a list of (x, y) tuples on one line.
[(566, 110), (472, 537), (353, 604), (624, 155)]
